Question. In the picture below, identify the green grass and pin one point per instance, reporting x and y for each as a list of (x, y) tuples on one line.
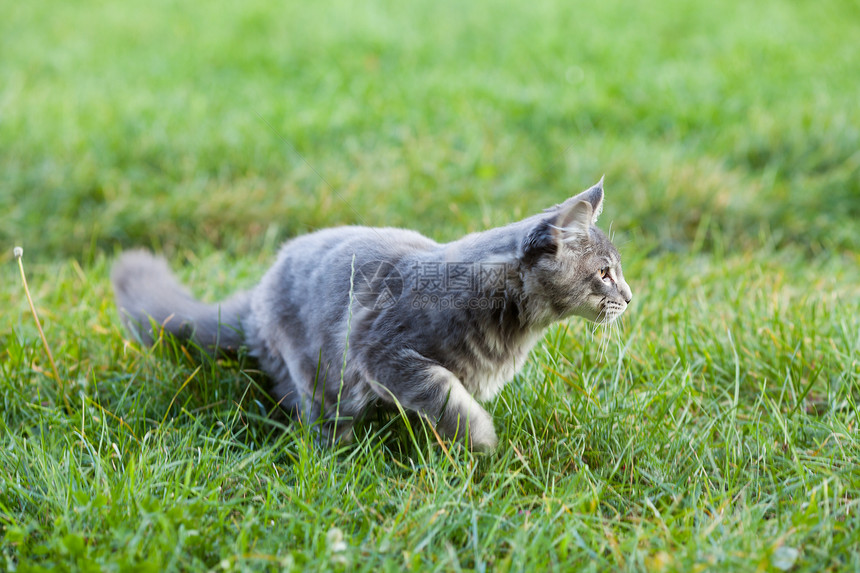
[(721, 433)]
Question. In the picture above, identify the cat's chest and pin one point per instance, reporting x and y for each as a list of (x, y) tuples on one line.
[(485, 385), (488, 372)]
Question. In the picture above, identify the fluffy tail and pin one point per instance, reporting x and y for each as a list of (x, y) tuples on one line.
[(146, 292)]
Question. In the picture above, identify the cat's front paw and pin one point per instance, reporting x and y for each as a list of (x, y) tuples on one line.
[(482, 436)]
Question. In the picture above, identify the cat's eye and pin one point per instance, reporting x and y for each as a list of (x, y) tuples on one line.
[(604, 273)]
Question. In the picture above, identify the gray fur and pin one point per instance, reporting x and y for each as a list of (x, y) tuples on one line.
[(336, 342)]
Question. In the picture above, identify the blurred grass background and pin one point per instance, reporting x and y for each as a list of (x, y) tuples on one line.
[(721, 433), (170, 123)]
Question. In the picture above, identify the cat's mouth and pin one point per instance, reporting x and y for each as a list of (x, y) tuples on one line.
[(610, 310)]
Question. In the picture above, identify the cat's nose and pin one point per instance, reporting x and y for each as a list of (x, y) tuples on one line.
[(628, 297)]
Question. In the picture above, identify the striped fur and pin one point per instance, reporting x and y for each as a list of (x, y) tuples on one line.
[(353, 318)]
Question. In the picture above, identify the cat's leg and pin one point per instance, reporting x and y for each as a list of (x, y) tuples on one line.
[(462, 416), (299, 387), (298, 405), (285, 394), (330, 424), (437, 395), (310, 404)]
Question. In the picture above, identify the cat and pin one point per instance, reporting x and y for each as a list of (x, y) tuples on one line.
[(353, 318)]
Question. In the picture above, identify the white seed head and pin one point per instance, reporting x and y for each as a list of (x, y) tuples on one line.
[(18, 251)]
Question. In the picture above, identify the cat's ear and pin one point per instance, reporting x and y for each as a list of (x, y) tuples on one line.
[(573, 221), (593, 196), (570, 223)]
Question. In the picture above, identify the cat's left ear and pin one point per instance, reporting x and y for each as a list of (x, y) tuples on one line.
[(570, 221), (573, 221), (593, 196)]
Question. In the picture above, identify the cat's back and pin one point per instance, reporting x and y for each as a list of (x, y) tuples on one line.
[(321, 263), (365, 243)]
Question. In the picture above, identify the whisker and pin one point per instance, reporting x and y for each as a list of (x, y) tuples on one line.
[(604, 339)]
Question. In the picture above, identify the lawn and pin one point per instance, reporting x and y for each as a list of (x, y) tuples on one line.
[(719, 431)]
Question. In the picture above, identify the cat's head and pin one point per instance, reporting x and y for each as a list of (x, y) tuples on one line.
[(569, 266)]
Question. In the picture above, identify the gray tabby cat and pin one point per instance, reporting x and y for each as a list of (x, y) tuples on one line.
[(354, 318)]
